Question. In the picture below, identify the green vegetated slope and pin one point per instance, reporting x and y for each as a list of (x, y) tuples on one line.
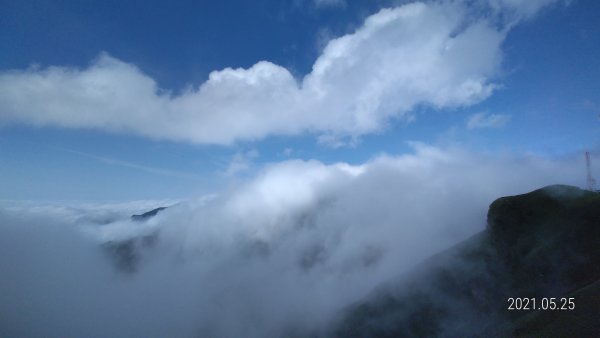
[(545, 243)]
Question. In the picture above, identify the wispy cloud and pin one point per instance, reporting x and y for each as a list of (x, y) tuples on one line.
[(330, 3), (486, 120), (127, 164), (240, 162)]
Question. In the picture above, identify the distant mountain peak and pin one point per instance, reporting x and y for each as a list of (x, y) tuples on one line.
[(148, 214)]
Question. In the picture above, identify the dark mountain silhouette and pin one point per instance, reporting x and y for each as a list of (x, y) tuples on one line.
[(538, 245), (147, 215), (126, 254)]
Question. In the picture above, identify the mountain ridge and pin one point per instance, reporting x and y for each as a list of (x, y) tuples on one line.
[(542, 244)]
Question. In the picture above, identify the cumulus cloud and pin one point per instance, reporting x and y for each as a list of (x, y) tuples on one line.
[(486, 120), (279, 255), (440, 54)]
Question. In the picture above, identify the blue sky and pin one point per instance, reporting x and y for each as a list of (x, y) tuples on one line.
[(536, 74)]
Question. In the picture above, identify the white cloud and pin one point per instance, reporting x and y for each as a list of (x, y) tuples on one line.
[(486, 120), (240, 162), (402, 57), (278, 255)]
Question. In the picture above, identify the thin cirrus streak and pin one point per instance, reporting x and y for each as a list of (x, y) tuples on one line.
[(126, 164)]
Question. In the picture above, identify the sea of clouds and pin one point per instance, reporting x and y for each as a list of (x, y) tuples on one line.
[(285, 251), (281, 253)]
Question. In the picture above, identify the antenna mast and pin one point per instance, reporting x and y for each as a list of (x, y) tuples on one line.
[(591, 182)]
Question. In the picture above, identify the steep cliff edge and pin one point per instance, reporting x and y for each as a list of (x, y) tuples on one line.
[(542, 244)]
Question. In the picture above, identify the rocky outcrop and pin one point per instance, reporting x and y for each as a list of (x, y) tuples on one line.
[(542, 244), (147, 215), (126, 254)]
